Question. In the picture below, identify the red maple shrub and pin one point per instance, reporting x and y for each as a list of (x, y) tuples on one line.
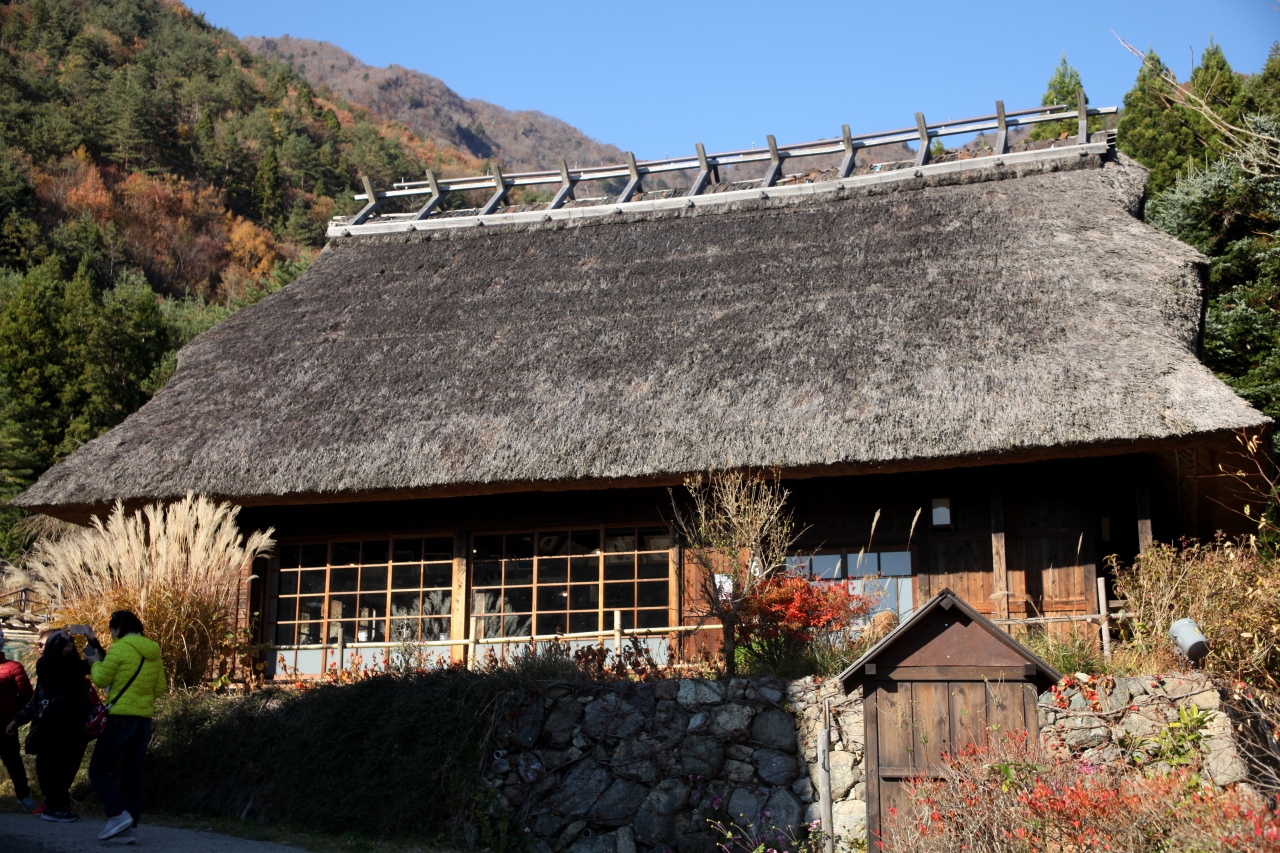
[(786, 613), (1014, 796)]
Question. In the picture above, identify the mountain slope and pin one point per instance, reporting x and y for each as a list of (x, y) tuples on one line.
[(520, 140)]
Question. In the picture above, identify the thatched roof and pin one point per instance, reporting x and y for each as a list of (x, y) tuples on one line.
[(984, 315)]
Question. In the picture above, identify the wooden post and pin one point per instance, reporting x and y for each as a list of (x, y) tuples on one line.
[(473, 646), (922, 156), (617, 635), (704, 172), (434, 201), (565, 193), (846, 165), (824, 779), (1002, 129), (460, 603), (999, 561), (1144, 517), (371, 204), (1104, 618), (633, 185), (1082, 107), (774, 171), (499, 194)]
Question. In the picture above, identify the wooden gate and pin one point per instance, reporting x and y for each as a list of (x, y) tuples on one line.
[(946, 678)]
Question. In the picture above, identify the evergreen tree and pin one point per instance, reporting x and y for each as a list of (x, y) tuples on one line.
[(1261, 92), (266, 189), (1152, 132), (1062, 89)]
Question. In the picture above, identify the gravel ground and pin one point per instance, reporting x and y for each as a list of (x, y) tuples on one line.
[(20, 833)]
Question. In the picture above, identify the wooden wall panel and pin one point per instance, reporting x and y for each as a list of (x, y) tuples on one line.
[(932, 722)]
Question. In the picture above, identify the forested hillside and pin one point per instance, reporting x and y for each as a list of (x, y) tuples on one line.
[(155, 176)]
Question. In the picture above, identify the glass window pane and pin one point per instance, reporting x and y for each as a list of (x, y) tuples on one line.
[(653, 594), (288, 583), (553, 544), (864, 564), (289, 556), (437, 602), (347, 630), (620, 539), (655, 539), (405, 604), (582, 622), (344, 580), (628, 620), (584, 542), (438, 549), (346, 553), (437, 575), (654, 565), (286, 609), (435, 629), (371, 631), (619, 595), (517, 599), (552, 623), (406, 551), (314, 556), (826, 565), (405, 577), (553, 570), (517, 626), (373, 577), (342, 606), (308, 633), (489, 601), (585, 569), (375, 552), (373, 605), (404, 630), (518, 572), (519, 546), (584, 597), (491, 626), (652, 619), (487, 548), (310, 609), (798, 565), (896, 563), (487, 573), (311, 582), (284, 635), (619, 567), (553, 598)]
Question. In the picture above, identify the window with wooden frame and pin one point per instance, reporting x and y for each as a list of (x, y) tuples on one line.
[(570, 580), (364, 590), (884, 576)]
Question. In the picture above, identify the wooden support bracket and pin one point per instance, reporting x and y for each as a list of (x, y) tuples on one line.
[(1002, 130), (774, 171), (846, 165), (704, 172), (499, 193), (565, 193), (370, 207), (432, 202), (922, 156), (633, 185), (1082, 107)]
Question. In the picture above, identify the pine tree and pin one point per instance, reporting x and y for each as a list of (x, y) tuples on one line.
[(1261, 92), (1062, 89), (1154, 133), (267, 205)]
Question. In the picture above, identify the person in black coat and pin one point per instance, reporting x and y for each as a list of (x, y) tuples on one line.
[(61, 708)]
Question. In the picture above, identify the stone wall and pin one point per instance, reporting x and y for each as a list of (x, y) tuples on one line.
[(634, 768)]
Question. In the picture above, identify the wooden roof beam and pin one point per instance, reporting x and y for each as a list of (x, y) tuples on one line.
[(500, 193), (774, 171), (846, 165), (1082, 111), (565, 193), (704, 172), (633, 183), (434, 201), (369, 209), (1002, 130), (922, 156)]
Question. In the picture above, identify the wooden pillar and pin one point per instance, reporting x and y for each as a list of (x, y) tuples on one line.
[(999, 563), (1144, 516), (461, 604)]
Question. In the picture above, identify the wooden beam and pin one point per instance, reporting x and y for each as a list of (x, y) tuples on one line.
[(371, 207), (846, 165), (1082, 107), (633, 185), (1144, 516), (999, 561), (774, 171), (1002, 130), (565, 193), (704, 172), (460, 607), (499, 193), (922, 156), (433, 202)]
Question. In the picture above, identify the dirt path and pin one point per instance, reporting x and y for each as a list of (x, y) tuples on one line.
[(20, 833)]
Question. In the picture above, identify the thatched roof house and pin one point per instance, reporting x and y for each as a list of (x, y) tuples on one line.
[(975, 318)]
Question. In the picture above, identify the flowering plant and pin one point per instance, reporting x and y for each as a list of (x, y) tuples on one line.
[(785, 613)]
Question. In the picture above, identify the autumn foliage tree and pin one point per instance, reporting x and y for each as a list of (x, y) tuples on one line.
[(785, 613)]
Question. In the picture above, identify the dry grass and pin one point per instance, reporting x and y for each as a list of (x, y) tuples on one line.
[(1230, 590), (179, 567)]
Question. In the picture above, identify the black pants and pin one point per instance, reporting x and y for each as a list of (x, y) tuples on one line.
[(124, 743), (11, 755), (56, 766)]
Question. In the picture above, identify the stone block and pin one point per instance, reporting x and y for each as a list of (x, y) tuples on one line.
[(850, 819), (696, 842), (699, 722), (743, 808), (581, 788), (702, 756), (633, 759), (619, 804), (657, 821), (739, 772), (774, 728), (612, 716), (804, 790), (776, 767), (1086, 733), (858, 792), (571, 833), (602, 843), (771, 694), (737, 688), (732, 721), (625, 840), (530, 767), (783, 811), (529, 725), (739, 751), (1208, 700), (698, 691), (666, 689)]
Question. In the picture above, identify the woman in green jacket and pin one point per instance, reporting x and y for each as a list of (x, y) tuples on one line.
[(132, 674)]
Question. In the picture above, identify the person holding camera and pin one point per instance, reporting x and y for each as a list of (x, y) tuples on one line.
[(58, 711), (132, 674), (15, 691)]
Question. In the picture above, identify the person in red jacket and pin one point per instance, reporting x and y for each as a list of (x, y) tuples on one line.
[(15, 690)]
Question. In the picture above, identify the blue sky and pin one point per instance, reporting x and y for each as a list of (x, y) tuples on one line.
[(655, 77)]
